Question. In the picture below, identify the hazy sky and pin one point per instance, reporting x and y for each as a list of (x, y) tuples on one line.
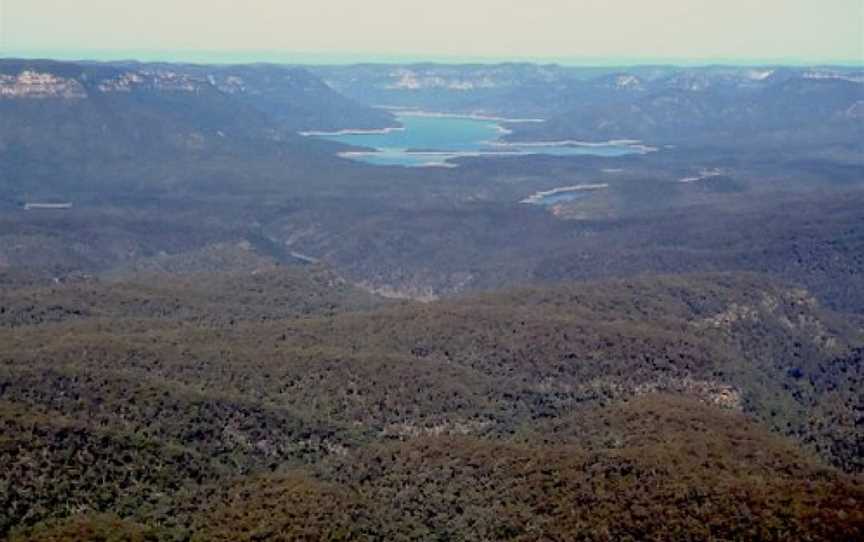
[(824, 30)]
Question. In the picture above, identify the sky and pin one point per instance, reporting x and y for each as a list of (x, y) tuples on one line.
[(633, 30)]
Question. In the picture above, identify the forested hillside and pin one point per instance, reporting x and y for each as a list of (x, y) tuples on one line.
[(236, 407), (214, 327)]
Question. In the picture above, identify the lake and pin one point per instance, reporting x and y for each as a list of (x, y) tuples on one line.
[(426, 139)]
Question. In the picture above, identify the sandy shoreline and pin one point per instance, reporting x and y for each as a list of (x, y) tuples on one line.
[(704, 174), (634, 144), (354, 131), (537, 197), (409, 112)]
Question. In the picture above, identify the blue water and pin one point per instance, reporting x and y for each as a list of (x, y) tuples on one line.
[(433, 141)]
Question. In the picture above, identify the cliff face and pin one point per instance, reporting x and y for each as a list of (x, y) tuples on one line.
[(157, 80), (292, 97), (36, 85)]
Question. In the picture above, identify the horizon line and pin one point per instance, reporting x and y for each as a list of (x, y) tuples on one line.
[(344, 58)]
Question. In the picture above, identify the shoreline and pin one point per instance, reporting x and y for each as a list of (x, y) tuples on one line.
[(493, 148), (703, 175), (537, 197), (353, 131), (411, 112), (634, 144)]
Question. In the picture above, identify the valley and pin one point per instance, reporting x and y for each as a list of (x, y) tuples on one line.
[(625, 302)]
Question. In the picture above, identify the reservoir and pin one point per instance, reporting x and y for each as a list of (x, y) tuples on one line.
[(425, 139)]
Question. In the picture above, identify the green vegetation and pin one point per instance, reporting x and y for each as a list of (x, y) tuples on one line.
[(286, 405), (673, 365)]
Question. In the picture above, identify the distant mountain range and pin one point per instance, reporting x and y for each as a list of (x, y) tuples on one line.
[(293, 96), (95, 127), (213, 328), (660, 104), (212, 154)]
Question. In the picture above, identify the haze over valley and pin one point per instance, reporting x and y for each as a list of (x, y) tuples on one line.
[(427, 300)]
